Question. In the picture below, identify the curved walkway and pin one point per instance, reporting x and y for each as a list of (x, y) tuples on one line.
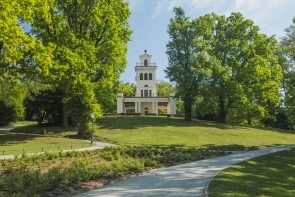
[(184, 180), (97, 145)]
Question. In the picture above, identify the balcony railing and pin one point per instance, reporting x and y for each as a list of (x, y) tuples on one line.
[(149, 64)]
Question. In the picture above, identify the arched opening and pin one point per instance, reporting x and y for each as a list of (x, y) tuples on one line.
[(141, 76), (145, 62), (145, 76), (146, 86), (150, 76), (146, 111)]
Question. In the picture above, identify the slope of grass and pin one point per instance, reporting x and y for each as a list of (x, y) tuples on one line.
[(162, 130), (32, 138), (270, 175)]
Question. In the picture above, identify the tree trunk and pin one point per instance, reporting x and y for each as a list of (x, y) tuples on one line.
[(249, 119), (222, 110), (65, 114), (82, 128), (188, 109)]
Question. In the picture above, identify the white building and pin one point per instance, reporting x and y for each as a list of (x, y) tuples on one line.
[(146, 99)]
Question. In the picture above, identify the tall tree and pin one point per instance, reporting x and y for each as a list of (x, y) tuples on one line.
[(188, 58), (246, 74), (288, 46)]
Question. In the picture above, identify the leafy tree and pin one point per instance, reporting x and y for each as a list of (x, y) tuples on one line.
[(13, 93), (164, 88), (189, 62), (90, 38), (246, 73), (108, 97), (15, 43), (288, 45), (128, 89)]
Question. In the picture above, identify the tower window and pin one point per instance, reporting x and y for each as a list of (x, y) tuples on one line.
[(145, 76), (141, 76), (146, 93), (150, 76), (146, 86), (145, 62)]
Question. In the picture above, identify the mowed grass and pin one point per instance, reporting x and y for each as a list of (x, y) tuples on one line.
[(270, 175), (163, 130), (32, 139)]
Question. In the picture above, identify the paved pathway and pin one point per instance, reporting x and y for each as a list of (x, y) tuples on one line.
[(97, 145), (178, 181)]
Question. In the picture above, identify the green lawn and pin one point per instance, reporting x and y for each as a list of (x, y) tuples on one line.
[(270, 175), (31, 139), (163, 130)]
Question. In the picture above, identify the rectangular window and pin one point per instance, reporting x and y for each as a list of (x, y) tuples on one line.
[(146, 93), (141, 93), (150, 93)]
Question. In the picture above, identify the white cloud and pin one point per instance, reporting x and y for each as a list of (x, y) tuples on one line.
[(134, 4), (160, 7)]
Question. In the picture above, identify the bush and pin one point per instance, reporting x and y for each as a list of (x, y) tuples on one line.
[(8, 113), (44, 107)]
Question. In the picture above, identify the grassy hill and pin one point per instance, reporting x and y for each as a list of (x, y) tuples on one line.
[(163, 130)]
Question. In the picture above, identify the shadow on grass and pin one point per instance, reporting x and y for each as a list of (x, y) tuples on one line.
[(269, 175), (23, 134), (12, 139), (42, 129), (134, 122)]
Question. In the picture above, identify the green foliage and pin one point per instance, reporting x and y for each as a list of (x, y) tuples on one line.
[(8, 113), (289, 72), (189, 63), (76, 46), (12, 91), (227, 64), (164, 88), (90, 38), (45, 107), (108, 97), (15, 43)]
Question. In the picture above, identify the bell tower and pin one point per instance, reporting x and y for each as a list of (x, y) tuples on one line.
[(145, 76)]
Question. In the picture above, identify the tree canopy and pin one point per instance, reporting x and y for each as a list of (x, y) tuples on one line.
[(288, 46), (228, 61), (77, 46)]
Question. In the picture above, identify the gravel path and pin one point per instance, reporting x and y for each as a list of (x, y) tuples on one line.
[(178, 181)]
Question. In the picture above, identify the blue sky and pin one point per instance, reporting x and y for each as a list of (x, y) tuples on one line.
[(149, 20)]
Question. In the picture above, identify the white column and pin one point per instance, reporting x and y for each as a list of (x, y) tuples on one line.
[(136, 110), (139, 107), (157, 108), (153, 107), (172, 104), (120, 104)]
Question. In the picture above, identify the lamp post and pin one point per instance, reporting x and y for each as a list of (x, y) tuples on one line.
[(92, 115)]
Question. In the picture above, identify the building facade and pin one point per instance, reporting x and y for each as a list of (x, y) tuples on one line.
[(146, 99)]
